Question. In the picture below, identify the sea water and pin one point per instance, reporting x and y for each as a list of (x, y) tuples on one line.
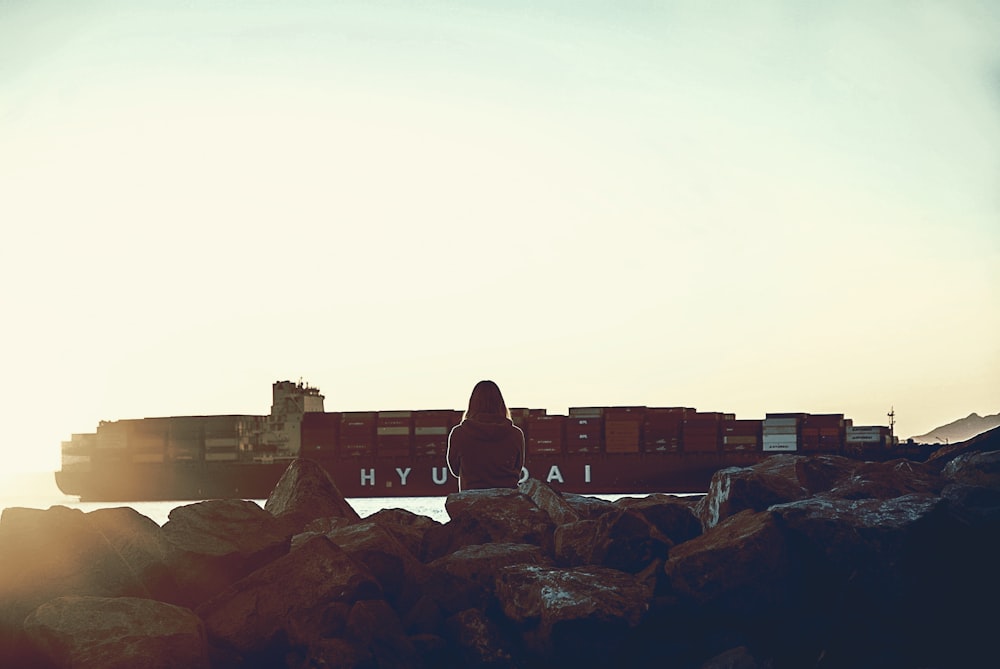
[(38, 491)]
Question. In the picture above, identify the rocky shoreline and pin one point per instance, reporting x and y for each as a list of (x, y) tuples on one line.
[(800, 561)]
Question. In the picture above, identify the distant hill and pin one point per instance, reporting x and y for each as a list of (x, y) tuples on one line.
[(960, 430)]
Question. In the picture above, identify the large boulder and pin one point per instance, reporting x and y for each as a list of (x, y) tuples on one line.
[(981, 469), (673, 516), (302, 596), (476, 640), (466, 578), (213, 544), (306, 492), (390, 562), (886, 480), (62, 551), (494, 515), (374, 626), (572, 617), (550, 501), (736, 489), (117, 633), (740, 567), (623, 540), (408, 527)]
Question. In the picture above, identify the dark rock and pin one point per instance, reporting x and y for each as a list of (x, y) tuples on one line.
[(495, 515), (572, 617), (622, 540), (886, 480), (734, 658), (478, 641), (424, 617), (117, 633), (550, 501), (736, 489), (214, 544), (292, 600), (984, 442), (306, 492), (374, 625), (339, 653), (467, 578), (408, 527), (389, 561), (674, 517), (587, 507), (980, 469), (738, 567)]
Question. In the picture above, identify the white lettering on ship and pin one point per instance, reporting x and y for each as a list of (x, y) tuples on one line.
[(555, 475), (586, 473), (367, 477), (403, 473), (443, 478)]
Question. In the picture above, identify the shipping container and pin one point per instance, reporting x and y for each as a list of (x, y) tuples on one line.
[(586, 412), (622, 435), (780, 443)]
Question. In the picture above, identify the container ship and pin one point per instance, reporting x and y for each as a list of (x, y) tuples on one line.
[(591, 450)]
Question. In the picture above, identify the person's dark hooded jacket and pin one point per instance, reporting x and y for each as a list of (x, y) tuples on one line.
[(486, 452)]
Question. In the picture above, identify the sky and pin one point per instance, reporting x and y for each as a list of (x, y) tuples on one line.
[(740, 207)]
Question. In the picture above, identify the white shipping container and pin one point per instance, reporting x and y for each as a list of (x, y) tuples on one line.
[(780, 443), (864, 435), (781, 422), (392, 431), (431, 430), (780, 429)]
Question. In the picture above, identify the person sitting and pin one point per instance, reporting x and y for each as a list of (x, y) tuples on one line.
[(486, 450)]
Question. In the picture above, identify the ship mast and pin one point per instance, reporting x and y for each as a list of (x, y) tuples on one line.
[(892, 424)]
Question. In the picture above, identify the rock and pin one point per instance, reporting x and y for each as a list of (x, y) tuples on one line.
[(740, 567), (61, 551), (374, 626), (550, 501), (736, 489), (674, 517), (622, 540), (467, 578), (409, 528), (389, 561), (975, 469), (293, 600), (117, 633), (494, 515), (734, 658), (572, 617), (339, 653), (587, 507), (306, 492), (478, 641), (214, 544), (886, 480)]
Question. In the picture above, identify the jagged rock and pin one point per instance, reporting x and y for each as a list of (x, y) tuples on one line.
[(292, 600), (886, 480), (62, 551), (622, 540), (587, 507), (467, 578), (339, 653), (572, 617), (740, 566), (374, 626), (478, 641), (736, 489), (408, 527), (673, 516), (389, 561), (306, 492), (494, 515), (550, 501), (213, 544), (975, 469), (117, 633)]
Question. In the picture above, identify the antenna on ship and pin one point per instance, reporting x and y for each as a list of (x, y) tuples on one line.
[(892, 423)]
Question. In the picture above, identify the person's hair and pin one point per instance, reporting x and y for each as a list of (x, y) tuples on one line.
[(486, 400)]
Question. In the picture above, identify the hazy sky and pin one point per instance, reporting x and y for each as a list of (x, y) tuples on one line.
[(741, 207)]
